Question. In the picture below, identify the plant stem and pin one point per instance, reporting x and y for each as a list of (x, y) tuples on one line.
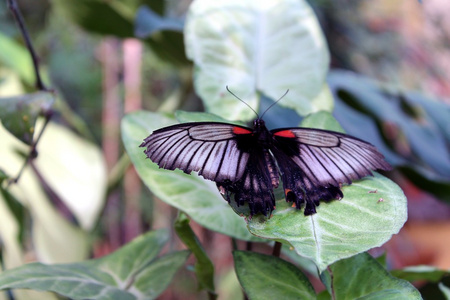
[(276, 249), (333, 296), (14, 8)]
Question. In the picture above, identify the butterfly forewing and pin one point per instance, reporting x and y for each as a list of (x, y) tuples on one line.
[(327, 157), (208, 148)]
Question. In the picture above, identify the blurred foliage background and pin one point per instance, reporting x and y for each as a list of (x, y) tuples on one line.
[(389, 74)]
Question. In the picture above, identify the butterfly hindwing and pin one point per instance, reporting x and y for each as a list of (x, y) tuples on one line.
[(313, 163), (256, 185)]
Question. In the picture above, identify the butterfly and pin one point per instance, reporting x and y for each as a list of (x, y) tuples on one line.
[(249, 162)]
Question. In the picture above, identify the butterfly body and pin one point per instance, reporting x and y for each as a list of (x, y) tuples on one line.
[(249, 162)]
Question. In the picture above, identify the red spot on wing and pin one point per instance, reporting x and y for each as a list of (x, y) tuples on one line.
[(240, 130), (285, 133)]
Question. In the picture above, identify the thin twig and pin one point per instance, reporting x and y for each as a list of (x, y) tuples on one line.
[(14, 8)]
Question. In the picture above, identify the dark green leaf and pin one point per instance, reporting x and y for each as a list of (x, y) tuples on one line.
[(269, 277), (362, 277), (102, 17), (18, 114), (156, 277)]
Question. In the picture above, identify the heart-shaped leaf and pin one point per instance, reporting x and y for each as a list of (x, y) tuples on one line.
[(269, 277), (256, 47), (362, 277)]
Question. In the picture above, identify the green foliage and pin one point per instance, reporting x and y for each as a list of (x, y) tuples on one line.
[(269, 277), (204, 268), (19, 114), (420, 142), (259, 50), (362, 277), (133, 272), (269, 48)]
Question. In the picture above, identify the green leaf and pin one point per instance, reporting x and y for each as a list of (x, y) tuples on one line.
[(148, 22), (130, 259), (50, 229), (75, 169), (19, 114), (76, 281), (155, 278), (361, 277), (204, 269), (103, 17), (269, 277), (197, 197), (322, 120), (360, 221), (131, 272), (253, 48), (164, 35), (414, 273), (187, 116), (16, 57), (418, 121)]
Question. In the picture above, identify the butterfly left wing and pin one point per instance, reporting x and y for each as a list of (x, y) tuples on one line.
[(314, 163), (209, 148)]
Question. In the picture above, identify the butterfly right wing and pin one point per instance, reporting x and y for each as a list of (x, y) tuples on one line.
[(209, 148), (314, 163)]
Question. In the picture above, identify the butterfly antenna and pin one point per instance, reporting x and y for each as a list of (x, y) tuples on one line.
[(242, 101), (274, 103)]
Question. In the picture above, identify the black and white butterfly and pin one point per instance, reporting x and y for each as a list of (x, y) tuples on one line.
[(248, 162)]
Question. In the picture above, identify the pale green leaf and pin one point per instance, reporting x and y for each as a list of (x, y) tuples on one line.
[(256, 47), (75, 169), (16, 57), (372, 210), (50, 229)]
